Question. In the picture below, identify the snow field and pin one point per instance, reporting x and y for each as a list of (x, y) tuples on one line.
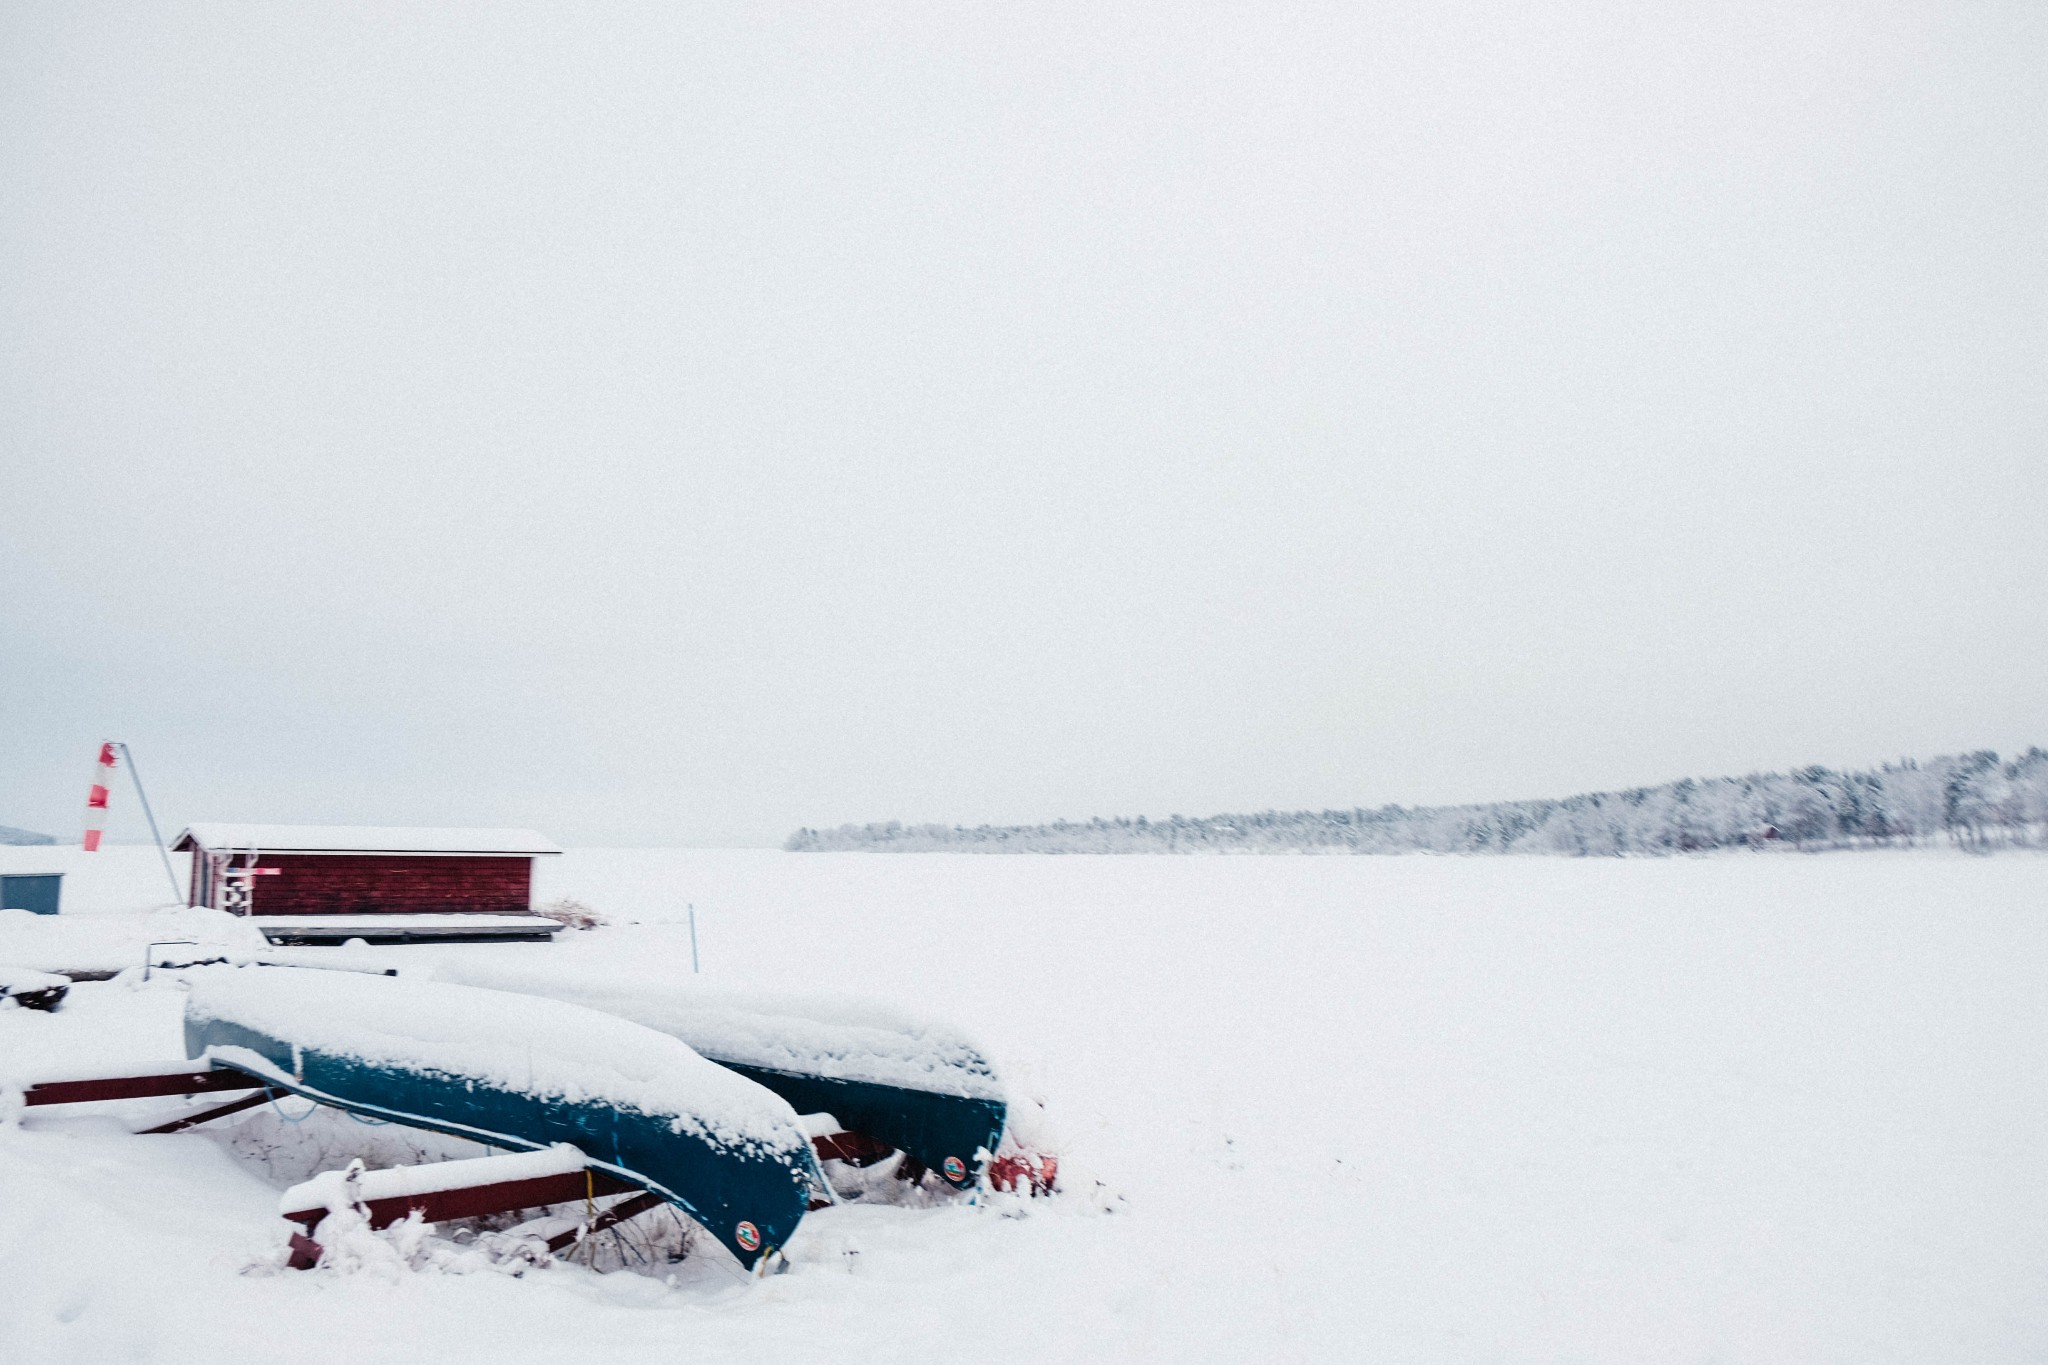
[(1741, 1108)]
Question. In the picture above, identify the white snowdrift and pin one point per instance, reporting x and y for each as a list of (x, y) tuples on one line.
[(114, 941)]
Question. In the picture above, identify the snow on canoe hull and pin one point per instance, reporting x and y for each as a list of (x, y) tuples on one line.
[(490, 1066), (913, 1082)]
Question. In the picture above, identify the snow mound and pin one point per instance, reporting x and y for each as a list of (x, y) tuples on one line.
[(112, 942), (212, 932), (20, 981)]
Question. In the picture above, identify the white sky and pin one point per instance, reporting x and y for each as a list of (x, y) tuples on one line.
[(681, 423)]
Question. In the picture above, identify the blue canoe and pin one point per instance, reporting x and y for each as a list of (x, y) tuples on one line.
[(914, 1083), (521, 1073)]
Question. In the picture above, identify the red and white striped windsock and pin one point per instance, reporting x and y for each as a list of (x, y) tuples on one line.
[(96, 800)]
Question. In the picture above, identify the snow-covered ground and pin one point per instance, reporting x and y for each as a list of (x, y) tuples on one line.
[(1732, 1108)]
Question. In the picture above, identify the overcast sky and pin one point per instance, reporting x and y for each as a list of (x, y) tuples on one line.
[(675, 424)]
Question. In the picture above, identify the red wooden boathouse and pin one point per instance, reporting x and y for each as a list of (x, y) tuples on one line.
[(298, 872)]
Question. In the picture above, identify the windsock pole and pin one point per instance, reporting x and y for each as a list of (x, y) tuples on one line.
[(96, 799), (135, 776)]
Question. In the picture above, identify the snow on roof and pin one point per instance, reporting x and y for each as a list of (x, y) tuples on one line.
[(362, 839)]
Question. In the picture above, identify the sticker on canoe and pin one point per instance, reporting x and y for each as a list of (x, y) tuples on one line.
[(955, 1169), (748, 1236)]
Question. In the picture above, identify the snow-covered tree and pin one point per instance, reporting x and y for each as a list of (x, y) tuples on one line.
[(1972, 800)]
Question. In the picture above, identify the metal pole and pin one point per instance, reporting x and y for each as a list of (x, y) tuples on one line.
[(693, 938), (135, 775)]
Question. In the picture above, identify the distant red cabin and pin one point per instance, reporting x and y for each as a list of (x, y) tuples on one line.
[(294, 870)]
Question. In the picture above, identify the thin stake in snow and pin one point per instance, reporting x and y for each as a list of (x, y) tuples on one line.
[(693, 938)]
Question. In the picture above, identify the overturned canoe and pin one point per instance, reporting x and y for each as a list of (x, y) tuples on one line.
[(914, 1083), (520, 1073)]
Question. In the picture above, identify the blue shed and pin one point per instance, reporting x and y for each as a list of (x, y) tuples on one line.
[(35, 892)]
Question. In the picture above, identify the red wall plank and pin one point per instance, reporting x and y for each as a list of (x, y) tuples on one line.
[(350, 884)]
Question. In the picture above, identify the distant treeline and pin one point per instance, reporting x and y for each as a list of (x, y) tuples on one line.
[(1975, 801)]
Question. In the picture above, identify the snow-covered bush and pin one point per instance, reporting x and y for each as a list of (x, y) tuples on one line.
[(573, 913)]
